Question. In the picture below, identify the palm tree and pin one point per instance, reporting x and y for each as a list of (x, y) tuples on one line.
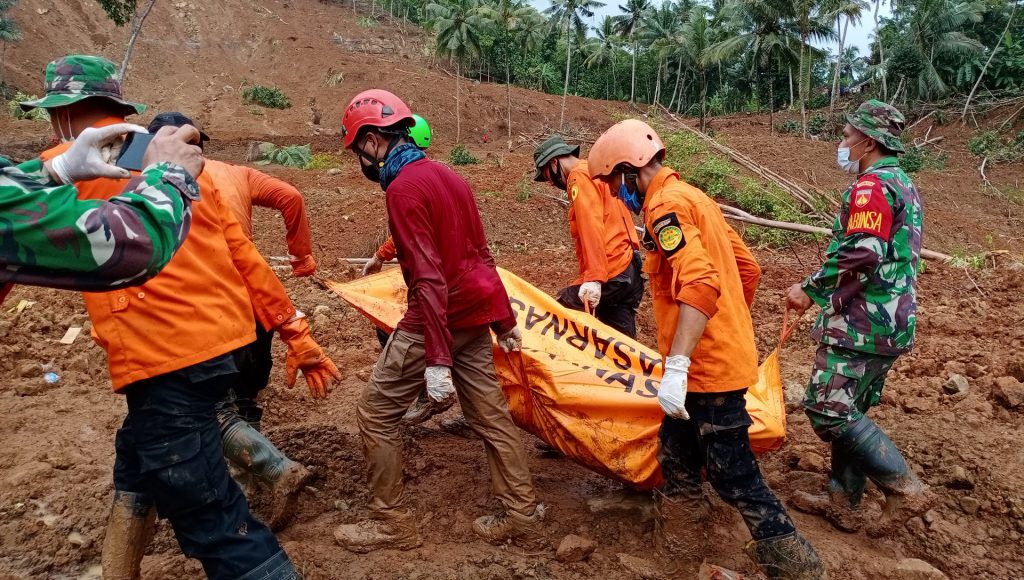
[(660, 28), (881, 53), (695, 42), (603, 49), (9, 32), (509, 18), (850, 10), (567, 16), (458, 24), (936, 27), (810, 19), (627, 25)]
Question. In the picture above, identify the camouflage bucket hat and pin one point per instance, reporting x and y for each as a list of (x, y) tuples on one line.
[(548, 150), (77, 77), (881, 122)]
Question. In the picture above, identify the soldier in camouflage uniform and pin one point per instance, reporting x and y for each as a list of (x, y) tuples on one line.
[(49, 237), (867, 290)]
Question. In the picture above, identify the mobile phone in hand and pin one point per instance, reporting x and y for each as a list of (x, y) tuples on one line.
[(132, 151)]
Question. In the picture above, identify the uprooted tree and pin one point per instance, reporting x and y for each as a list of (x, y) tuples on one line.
[(122, 12)]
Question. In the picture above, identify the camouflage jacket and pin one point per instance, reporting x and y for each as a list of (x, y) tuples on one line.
[(49, 237), (867, 287)]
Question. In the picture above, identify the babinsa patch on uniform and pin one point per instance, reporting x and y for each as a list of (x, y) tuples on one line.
[(870, 212), (669, 234)]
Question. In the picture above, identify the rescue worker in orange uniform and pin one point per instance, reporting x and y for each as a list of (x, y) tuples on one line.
[(610, 283), (250, 452), (169, 345), (703, 280)]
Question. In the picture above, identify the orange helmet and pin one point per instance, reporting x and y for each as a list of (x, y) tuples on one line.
[(631, 141)]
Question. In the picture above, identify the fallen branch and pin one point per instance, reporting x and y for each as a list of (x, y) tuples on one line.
[(927, 142), (984, 178), (930, 113)]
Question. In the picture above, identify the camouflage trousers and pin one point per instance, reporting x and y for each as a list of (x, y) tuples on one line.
[(844, 385)]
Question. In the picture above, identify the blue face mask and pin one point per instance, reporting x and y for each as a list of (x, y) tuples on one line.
[(633, 200)]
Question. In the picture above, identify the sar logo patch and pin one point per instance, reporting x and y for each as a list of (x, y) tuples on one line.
[(573, 192), (670, 237)]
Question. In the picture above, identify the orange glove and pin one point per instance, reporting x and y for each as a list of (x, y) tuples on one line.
[(303, 266), (306, 355)]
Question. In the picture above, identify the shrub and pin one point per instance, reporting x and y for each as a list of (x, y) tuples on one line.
[(791, 126), (461, 156), (817, 124), (323, 161), (917, 159), (367, 22), (290, 155), (14, 107), (270, 97), (524, 190), (992, 145)]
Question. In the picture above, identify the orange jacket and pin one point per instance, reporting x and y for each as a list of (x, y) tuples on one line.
[(700, 261), (243, 187), (387, 251), (601, 227), (199, 306)]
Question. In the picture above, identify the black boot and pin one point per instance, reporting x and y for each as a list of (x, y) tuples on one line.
[(868, 448), (841, 505), (788, 557)]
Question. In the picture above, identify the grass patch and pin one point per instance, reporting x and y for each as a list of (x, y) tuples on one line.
[(323, 161)]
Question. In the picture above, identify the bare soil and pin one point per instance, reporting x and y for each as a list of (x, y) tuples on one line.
[(55, 464)]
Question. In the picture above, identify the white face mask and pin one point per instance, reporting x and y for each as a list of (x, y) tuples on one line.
[(845, 163), (64, 137)]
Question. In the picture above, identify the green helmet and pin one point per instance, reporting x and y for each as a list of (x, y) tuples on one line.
[(420, 132)]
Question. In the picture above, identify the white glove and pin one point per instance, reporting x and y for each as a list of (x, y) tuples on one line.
[(511, 341), (90, 155), (590, 294), (672, 392), (372, 266), (439, 383)]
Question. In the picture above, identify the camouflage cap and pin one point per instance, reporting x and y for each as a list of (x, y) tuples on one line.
[(77, 77), (880, 121), (548, 150)]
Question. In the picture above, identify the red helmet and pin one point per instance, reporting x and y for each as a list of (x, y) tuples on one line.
[(373, 108)]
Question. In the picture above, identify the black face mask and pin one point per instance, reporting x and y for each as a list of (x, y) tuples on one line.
[(556, 177), (371, 171)]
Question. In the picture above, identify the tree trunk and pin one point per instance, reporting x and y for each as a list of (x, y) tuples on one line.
[(703, 101), (508, 87), (839, 66), (682, 95), (791, 99), (565, 90), (881, 55), (800, 80), (353, 6), (137, 21), (995, 49), (771, 101), (3, 65), (458, 107), (657, 85), (676, 94), (632, 86)]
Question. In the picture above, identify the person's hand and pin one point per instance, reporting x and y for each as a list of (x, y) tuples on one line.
[(439, 383), (797, 300), (590, 294), (90, 155), (302, 266), (672, 391), (372, 266), (178, 145), (511, 341), (306, 355)]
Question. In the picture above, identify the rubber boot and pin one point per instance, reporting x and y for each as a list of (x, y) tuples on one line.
[(681, 525), (788, 557), (841, 505), (129, 529), (250, 450), (870, 449)]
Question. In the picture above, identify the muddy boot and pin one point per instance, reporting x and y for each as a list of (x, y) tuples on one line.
[(369, 535), (681, 528), (508, 525), (841, 505), (129, 528), (788, 557), (459, 427), (250, 450), (871, 450), (425, 408)]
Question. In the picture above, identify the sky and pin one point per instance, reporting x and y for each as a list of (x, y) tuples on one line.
[(859, 36)]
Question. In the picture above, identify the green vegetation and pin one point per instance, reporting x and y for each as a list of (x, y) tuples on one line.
[(289, 156), (367, 22), (917, 159), (996, 147), (270, 97), (524, 189), (720, 179), (461, 156), (15, 108), (323, 161)]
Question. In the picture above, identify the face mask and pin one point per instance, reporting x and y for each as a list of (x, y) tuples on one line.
[(371, 171), (556, 177), (69, 135), (845, 163), (633, 200)]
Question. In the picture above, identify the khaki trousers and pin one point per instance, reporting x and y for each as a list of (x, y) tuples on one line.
[(397, 380)]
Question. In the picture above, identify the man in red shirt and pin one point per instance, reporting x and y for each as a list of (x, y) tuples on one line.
[(443, 343)]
